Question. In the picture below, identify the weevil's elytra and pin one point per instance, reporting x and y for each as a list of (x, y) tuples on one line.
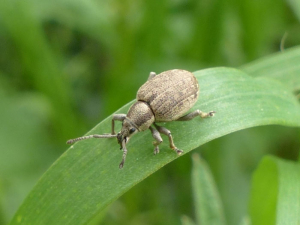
[(164, 97), (170, 94)]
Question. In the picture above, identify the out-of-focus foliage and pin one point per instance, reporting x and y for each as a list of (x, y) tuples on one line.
[(208, 206), (275, 188), (66, 65)]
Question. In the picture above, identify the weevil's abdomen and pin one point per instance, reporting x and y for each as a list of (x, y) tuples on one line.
[(170, 94)]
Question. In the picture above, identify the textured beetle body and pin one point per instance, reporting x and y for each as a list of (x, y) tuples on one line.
[(170, 94), (164, 97), (141, 115)]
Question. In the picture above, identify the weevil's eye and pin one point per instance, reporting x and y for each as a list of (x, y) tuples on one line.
[(131, 130)]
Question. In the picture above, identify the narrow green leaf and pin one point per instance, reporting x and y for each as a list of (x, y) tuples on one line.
[(282, 66), (208, 206), (288, 200), (86, 178), (275, 195), (295, 6), (264, 193)]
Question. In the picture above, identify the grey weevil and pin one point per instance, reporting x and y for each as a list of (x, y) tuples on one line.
[(164, 97)]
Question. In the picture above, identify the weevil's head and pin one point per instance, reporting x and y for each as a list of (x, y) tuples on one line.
[(139, 118), (128, 129)]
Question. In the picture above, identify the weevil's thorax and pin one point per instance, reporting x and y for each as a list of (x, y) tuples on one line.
[(140, 115), (139, 118)]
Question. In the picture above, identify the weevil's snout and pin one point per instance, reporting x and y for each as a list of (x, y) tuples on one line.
[(128, 129), (120, 139), (123, 139)]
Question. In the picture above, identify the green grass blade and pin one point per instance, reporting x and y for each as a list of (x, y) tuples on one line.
[(295, 6), (282, 66), (86, 178), (275, 195), (264, 193), (288, 200), (208, 206)]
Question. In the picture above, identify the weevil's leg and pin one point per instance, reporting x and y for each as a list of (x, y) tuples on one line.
[(165, 131), (119, 117), (124, 154), (158, 139), (151, 75), (71, 141), (192, 115)]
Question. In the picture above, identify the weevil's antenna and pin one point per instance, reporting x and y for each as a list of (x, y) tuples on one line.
[(71, 141)]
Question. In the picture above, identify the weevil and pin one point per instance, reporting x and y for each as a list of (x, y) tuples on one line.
[(163, 98)]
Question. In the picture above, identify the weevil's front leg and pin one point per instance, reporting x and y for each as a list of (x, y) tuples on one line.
[(119, 117), (71, 141), (124, 154), (158, 139), (151, 75), (165, 131), (192, 115)]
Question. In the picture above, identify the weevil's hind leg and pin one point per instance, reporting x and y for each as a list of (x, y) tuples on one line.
[(151, 75), (119, 117), (157, 138), (165, 131), (196, 113)]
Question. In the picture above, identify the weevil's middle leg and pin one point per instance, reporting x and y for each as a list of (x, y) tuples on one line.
[(158, 139), (119, 117), (196, 113), (165, 131)]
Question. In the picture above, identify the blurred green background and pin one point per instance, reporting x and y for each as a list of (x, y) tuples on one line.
[(66, 65)]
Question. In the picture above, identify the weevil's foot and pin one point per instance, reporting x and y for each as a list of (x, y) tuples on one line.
[(211, 113), (178, 151), (69, 142), (205, 115), (121, 164), (156, 150)]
